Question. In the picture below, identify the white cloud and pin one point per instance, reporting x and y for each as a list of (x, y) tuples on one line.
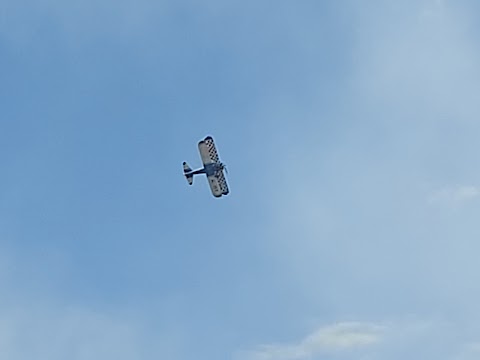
[(469, 351), (474, 347), (410, 117), (455, 196), (422, 63), (407, 337), (329, 339), (353, 220)]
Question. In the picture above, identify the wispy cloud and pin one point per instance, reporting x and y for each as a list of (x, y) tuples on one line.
[(413, 81), (455, 196), (471, 351), (332, 338)]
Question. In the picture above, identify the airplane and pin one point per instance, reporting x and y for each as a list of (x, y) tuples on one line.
[(212, 167)]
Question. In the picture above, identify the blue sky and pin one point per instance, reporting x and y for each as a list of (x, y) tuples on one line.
[(351, 133)]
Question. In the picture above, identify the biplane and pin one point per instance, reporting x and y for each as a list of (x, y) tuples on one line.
[(212, 167)]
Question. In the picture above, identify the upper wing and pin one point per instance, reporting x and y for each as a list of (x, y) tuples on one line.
[(208, 152)]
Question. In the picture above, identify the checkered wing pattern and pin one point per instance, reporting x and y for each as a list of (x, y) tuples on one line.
[(208, 152), (222, 182)]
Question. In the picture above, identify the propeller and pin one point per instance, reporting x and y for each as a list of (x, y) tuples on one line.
[(223, 167)]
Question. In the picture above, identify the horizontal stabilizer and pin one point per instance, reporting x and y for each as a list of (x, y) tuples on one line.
[(187, 171), (186, 168)]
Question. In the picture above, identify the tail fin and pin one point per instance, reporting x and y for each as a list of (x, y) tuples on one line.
[(186, 171)]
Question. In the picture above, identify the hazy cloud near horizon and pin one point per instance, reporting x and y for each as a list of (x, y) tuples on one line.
[(363, 216)]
